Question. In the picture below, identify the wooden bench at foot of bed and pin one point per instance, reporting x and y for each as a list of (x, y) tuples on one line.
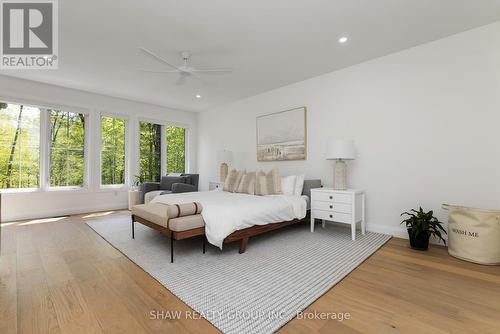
[(156, 216), (178, 222)]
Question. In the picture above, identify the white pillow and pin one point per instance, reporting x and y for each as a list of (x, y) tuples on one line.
[(299, 184), (288, 184)]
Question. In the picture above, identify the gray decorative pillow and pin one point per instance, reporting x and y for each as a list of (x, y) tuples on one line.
[(167, 181)]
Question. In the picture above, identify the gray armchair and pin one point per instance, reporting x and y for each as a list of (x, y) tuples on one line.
[(170, 184)]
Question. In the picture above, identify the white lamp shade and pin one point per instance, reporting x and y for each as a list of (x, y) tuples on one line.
[(340, 149), (224, 156)]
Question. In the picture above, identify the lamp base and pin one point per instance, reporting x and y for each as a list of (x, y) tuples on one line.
[(340, 175)]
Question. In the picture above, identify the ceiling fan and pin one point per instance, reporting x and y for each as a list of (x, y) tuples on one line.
[(184, 70)]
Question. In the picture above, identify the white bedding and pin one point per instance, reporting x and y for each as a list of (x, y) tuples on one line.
[(226, 212)]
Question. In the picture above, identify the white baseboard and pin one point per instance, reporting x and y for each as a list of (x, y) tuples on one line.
[(398, 232), (62, 212)]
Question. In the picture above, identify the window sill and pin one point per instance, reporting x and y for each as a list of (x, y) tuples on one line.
[(39, 190), (113, 188), (67, 189), (20, 191), (103, 189)]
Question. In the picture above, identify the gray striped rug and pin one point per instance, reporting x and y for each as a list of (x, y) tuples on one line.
[(280, 274)]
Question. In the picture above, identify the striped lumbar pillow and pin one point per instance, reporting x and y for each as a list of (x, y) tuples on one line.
[(258, 175), (230, 180), (268, 184), (247, 184), (233, 180)]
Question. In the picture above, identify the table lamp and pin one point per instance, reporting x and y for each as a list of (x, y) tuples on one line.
[(340, 150), (224, 157)]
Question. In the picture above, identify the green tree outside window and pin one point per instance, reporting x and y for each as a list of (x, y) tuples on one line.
[(150, 151), (67, 148), (176, 149), (112, 151), (19, 146)]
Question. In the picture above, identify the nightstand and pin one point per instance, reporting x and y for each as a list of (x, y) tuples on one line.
[(134, 198), (341, 206), (213, 185)]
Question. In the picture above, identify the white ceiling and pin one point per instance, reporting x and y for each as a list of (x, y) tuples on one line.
[(268, 43)]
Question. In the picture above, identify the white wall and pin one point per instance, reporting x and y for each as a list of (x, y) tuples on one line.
[(44, 204), (425, 122)]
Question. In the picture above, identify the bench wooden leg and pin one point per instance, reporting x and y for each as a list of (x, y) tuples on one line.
[(133, 234), (171, 247), (243, 245)]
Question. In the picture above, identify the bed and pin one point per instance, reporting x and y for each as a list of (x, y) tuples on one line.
[(231, 217)]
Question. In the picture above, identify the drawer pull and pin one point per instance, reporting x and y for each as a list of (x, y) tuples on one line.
[(331, 216), (331, 206), (331, 197)]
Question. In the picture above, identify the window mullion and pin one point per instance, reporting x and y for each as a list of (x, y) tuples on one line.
[(163, 150), (44, 149)]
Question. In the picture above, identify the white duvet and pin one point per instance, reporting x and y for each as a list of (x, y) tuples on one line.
[(226, 212)]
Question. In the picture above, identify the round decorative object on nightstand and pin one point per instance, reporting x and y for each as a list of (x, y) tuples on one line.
[(213, 185)]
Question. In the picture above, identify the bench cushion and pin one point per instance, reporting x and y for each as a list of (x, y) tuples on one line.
[(186, 223), (167, 215), (153, 212)]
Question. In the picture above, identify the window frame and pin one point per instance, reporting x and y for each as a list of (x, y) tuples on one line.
[(187, 132), (44, 149), (92, 142), (163, 157), (41, 107), (140, 120), (9, 100), (126, 118), (86, 150)]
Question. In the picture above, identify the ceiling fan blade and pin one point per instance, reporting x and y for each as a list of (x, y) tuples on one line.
[(155, 71), (155, 56), (214, 70), (181, 80)]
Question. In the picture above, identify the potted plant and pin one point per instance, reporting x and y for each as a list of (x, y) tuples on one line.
[(421, 225), (137, 182)]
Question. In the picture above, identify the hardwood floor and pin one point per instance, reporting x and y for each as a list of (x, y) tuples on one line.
[(57, 275)]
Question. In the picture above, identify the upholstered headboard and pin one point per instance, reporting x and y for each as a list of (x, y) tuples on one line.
[(308, 185)]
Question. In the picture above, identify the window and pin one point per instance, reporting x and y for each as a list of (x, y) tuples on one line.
[(67, 149), (19, 146), (112, 151), (150, 151), (176, 149)]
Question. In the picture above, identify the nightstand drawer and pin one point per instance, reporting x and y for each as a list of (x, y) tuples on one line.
[(333, 216), (331, 197), (330, 206)]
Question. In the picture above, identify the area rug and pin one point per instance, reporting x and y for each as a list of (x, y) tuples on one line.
[(281, 273)]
